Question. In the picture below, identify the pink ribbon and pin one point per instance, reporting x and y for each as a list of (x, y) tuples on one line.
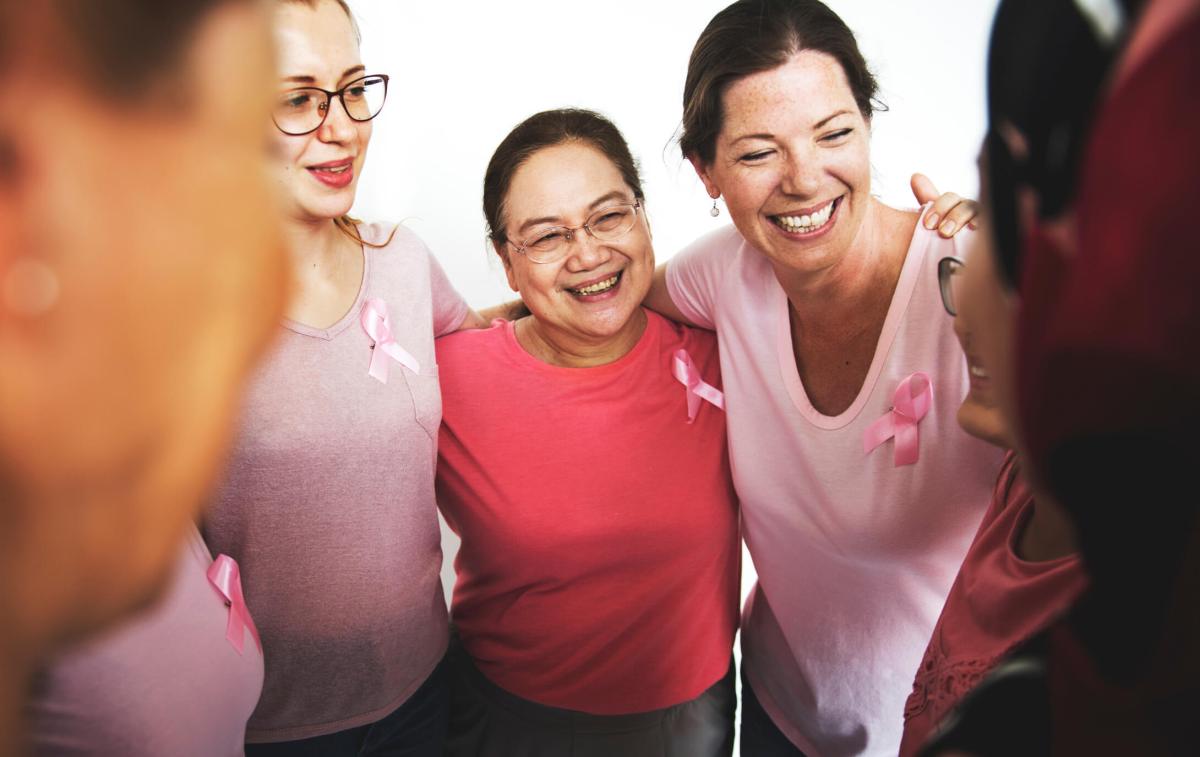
[(910, 403), (224, 575), (688, 374), (375, 322)]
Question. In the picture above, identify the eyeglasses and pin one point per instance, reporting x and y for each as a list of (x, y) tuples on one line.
[(549, 244), (948, 269), (303, 110)]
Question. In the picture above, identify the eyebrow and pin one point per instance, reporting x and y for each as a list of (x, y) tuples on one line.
[(817, 125), (312, 80), (602, 199)]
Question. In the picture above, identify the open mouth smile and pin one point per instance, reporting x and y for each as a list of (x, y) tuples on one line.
[(810, 222), (596, 288)]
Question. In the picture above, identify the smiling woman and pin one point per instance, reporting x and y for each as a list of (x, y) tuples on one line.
[(596, 597), (328, 501)]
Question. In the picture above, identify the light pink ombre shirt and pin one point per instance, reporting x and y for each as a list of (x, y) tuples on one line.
[(854, 555), (167, 683), (328, 506)]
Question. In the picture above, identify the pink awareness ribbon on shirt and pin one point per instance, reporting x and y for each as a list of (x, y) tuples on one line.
[(375, 322), (910, 403), (224, 575), (688, 374)]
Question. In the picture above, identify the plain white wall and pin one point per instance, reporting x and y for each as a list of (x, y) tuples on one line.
[(463, 74)]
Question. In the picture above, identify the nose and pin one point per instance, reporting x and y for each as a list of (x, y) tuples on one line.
[(338, 126), (801, 174), (585, 251)]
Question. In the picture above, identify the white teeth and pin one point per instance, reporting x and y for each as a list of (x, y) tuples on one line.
[(600, 286), (978, 372), (805, 223)]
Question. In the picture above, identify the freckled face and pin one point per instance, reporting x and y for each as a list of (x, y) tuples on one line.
[(792, 161), (592, 293), (319, 171)]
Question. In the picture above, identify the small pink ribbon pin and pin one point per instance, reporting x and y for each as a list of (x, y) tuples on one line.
[(375, 322), (910, 403), (688, 374), (224, 575)]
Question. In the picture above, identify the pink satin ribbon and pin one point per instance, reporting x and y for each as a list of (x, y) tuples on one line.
[(375, 322), (224, 575), (688, 374), (910, 403)]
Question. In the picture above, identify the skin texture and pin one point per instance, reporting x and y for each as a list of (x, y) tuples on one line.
[(117, 395), (567, 183)]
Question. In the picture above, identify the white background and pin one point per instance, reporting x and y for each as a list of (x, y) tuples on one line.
[(463, 74)]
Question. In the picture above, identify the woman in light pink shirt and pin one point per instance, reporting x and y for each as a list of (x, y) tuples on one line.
[(328, 502), (859, 492)]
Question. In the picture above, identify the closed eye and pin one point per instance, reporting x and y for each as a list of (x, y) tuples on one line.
[(835, 136), (754, 157)]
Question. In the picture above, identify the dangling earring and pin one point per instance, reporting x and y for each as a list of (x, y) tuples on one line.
[(715, 210)]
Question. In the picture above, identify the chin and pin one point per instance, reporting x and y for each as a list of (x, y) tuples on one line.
[(984, 422)]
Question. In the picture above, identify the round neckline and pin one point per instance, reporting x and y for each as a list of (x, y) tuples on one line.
[(910, 272), (349, 317), (523, 356)]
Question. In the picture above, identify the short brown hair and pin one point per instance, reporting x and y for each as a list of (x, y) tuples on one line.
[(751, 36), (547, 129)]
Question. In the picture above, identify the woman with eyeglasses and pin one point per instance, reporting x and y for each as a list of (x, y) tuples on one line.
[(328, 502), (859, 492), (583, 463), (1022, 570)]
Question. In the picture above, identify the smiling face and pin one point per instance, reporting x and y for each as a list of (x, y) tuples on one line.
[(792, 161), (319, 171), (591, 295)]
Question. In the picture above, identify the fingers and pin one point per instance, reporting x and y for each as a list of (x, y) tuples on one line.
[(961, 215), (923, 189)]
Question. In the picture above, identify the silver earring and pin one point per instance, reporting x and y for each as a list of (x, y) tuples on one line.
[(30, 288), (715, 210)]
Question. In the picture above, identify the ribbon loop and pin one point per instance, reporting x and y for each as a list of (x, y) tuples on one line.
[(910, 403), (375, 322), (226, 578), (688, 374)]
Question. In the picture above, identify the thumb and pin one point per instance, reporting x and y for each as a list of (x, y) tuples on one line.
[(923, 188)]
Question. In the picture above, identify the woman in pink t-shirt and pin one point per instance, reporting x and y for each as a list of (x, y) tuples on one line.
[(859, 492), (328, 502), (583, 463)]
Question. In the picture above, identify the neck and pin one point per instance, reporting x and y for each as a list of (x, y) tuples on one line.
[(860, 282), (314, 247), (558, 347)]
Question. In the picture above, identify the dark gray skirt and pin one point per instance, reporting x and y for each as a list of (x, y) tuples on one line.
[(487, 721)]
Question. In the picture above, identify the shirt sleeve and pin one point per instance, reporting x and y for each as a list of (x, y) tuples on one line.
[(694, 275), (449, 308)]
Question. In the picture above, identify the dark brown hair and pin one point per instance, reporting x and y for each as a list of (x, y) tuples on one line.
[(547, 129), (751, 36)]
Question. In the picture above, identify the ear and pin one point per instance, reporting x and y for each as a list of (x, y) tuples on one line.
[(703, 172), (502, 252)]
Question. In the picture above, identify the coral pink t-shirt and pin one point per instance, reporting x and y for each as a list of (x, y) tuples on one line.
[(328, 505), (167, 683), (998, 601), (855, 555), (599, 566)]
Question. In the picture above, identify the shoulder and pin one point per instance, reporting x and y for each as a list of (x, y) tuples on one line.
[(718, 247), (700, 343), (393, 241), (472, 345)]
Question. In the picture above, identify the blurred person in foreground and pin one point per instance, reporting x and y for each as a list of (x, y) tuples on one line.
[(137, 282), (1094, 170)]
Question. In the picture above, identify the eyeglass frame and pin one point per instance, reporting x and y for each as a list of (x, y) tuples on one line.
[(340, 94), (947, 268), (570, 231)]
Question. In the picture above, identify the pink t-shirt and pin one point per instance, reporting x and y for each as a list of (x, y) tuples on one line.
[(599, 566), (328, 505), (998, 601), (855, 555), (167, 683)]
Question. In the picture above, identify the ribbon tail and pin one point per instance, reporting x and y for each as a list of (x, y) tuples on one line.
[(401, 356), (908, 443), (879, 432), (378, 369), (693, 405)]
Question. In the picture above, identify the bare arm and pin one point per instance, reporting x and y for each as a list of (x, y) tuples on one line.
[(505, 311), (473, 320), (659, 299)]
